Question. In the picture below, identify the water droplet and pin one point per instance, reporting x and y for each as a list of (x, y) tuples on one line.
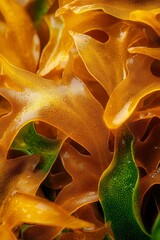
[(158, 170), (141, 116), (122, 115), (153, 175)]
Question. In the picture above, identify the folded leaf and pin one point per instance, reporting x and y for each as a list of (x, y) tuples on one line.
[(24, 208), (139, 82), (55, 54), (68, 106), (118, 8), (151, 52), (84, 189), (148, 17), (20, 35)]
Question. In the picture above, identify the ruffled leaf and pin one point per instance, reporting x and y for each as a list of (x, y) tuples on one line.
[(118, 191), (139, 82), (150, 18), (68, 106), (120, 9), (107, 61), (55, 54), (30, 142), (84, 189)]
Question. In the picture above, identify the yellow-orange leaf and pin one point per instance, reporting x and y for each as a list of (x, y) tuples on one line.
[(24, 208)]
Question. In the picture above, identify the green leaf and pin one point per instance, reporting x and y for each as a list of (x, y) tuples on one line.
[(118, 192), (156, 229), (24, 227), (41, 8), (30, 142), (107, 238)]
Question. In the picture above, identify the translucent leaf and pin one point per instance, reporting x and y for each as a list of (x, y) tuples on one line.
[(16, 175), (87, 213), (145, 12), (120, 9), (20, 41), (24, 208), (150, 18), (83, 189), (107, 61), (55, 54), (151, 52), (7, 51), (139, 82), (24, 3), (118, 192), (68, 106)]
